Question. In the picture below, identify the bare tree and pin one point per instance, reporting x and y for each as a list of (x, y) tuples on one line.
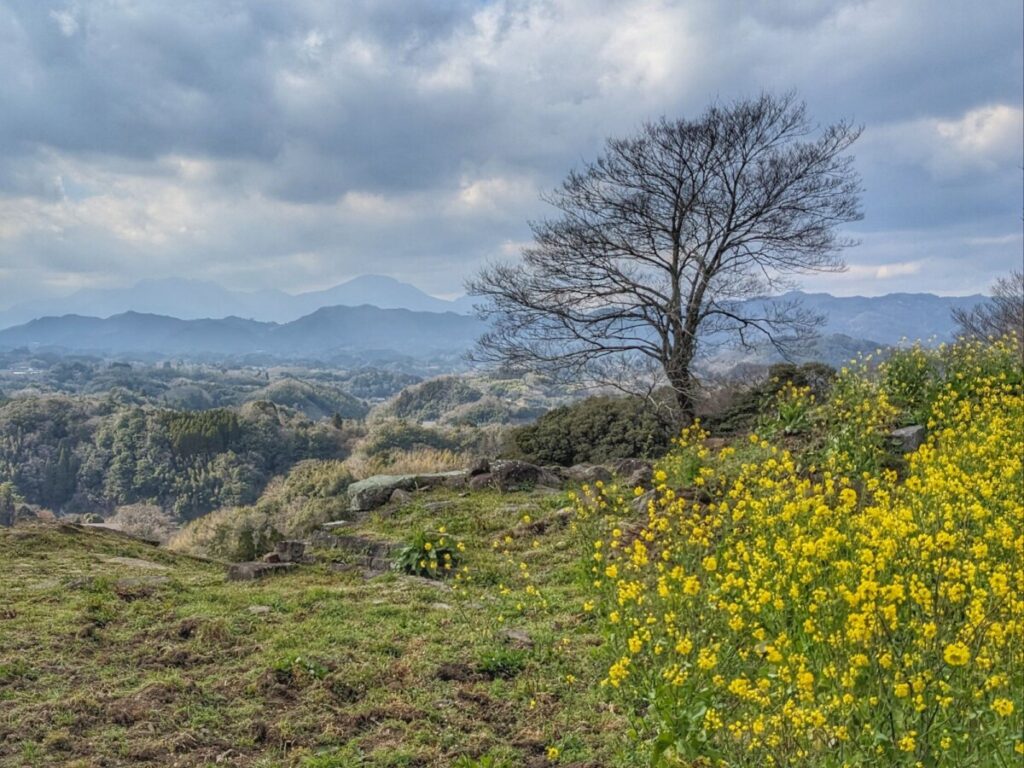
[(1002, 316), (662, 242)]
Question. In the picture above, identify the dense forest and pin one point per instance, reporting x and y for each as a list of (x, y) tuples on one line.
[(86, 455)]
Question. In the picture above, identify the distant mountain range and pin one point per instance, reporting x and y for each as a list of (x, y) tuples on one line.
[(196, 299), (381, 316), (326, 334)]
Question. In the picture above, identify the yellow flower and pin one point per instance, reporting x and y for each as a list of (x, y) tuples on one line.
[(553, 753), (956, 654), (1002, 707)]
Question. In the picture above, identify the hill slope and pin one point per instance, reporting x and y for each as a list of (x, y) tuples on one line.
[(116, 653)]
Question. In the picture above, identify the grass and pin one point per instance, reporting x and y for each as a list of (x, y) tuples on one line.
[(105, 660)]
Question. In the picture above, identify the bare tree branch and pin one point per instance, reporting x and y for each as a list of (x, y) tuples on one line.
[(663, 244)]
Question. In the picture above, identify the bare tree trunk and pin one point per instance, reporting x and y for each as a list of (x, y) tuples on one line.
[(681, 379)]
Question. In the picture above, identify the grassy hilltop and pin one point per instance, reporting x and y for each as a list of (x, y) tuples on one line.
[(113, 652)]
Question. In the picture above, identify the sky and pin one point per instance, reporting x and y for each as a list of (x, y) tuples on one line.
[(295, 144)]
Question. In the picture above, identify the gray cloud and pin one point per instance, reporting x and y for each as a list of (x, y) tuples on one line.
[(296, 144)]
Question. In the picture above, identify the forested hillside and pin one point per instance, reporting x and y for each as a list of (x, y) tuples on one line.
[(84, 455)]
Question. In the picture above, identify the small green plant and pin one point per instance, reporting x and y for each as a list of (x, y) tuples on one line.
[(503, 662), (788, 411), (433, 554), (296, 666)]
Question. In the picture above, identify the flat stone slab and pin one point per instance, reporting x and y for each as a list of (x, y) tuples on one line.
[(258, 570)]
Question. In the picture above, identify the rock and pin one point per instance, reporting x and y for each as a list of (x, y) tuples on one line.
[(401, 497), (517, 638), (908, 439), (479, 466), (715, 444), (640, 502), (253, 571), (479, 482), (456, 480), (440, 607), (588, 473), (627, 467), (376, 491), (641, 478), (271, 557), (259, 610), (521, 476), (363, 551), (290, 551)]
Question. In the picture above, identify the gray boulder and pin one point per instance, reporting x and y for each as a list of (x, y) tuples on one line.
[(908, 439), (521, 476), (641, 478), (627, 467)]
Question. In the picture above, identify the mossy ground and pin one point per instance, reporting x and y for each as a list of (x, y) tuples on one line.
[(104, 661)]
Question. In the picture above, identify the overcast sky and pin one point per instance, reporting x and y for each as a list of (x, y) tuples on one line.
[(295, 144)]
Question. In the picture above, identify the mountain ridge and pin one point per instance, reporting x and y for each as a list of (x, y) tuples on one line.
[(189, 299), (332, 332)]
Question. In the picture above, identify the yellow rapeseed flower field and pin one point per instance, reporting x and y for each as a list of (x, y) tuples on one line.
[(830, 607)]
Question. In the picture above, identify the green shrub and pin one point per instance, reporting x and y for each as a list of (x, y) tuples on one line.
[(595, 430)]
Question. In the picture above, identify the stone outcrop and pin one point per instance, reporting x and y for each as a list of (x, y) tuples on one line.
[(375, 492), (373, 554), (287, 552), (509, 476)]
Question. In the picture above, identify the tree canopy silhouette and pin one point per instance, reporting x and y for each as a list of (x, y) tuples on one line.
[(661, 244)]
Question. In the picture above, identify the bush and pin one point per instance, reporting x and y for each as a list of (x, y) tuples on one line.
[(234, 534), (595, 430)]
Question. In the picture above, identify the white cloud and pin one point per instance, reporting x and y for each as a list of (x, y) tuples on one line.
[(984, 139), (296, 145), (883, 271), (66, 22)]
